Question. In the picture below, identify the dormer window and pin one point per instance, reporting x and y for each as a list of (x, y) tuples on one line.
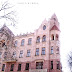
[(44, 27)]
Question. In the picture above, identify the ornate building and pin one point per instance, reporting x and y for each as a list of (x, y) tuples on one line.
[(34, 52)]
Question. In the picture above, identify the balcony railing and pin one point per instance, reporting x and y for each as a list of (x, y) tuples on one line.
[(37, 70), (10, 59)]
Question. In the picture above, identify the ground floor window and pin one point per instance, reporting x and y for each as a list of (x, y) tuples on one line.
[(51, 64), (58, 65), (19, 67), (12, 66), (39, 65), (27, 66), (3, 67)]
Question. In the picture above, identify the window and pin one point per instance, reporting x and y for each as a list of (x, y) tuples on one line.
[(16, 43), (37, 51), (27, 66), (0, 44), (52, 37), (44, 27), (39, 65), (14, 54), (51, 64), (3, 44), (43, 51), (38, 39), (57, 50), (3, 67), (5, 54), (22, 42), (57, 37), (19, 67), (44, 38), (21, 54), (58, 65), (29, 41), (0, 54), (52, 50), (28, 53), (54, 19), (12, 66)]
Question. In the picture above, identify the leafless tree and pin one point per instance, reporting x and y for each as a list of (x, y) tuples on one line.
[(7, 13), (70, 61)]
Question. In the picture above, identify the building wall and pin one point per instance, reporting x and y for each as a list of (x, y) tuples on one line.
[(46, 59)]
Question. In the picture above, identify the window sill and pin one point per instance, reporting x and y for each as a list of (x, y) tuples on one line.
[(58, 69), (43, 41), (20, 57), (57, 53), (29, 44), (37, 42), (28, 56), (43, 54), (36, 55), (21, 45), (51, 53)]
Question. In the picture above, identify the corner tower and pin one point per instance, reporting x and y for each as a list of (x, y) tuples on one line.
[(54, 45)]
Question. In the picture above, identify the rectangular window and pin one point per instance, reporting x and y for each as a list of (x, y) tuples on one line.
[(14, 54), (43, 51), (51, 64), (28, 53), (19, 67), (21, 54), (5, 54), (39, 65), (52, 50), (29, 41), (0, 54), (16, 43), (12, 66), (27, 66), (37, 51), (3, 67), (58, 65)]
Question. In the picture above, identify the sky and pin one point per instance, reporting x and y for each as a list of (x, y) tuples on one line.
[(31, 13)]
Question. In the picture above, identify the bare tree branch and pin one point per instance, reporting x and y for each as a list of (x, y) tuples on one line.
[(70, 61), (10, 15)]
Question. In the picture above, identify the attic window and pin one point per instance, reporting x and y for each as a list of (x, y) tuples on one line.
[(54, 19), (44, 27)]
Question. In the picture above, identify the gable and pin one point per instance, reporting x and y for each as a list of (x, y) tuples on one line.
[(54, 28)]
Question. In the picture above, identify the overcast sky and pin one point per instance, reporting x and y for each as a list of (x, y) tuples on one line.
[(31, 13)]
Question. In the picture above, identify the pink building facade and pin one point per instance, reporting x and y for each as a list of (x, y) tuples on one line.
[(33, 52)]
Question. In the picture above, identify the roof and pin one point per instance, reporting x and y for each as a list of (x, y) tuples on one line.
[(54, 28)]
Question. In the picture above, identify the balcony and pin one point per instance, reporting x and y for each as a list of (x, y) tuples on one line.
[(13, 59), (37, 70)]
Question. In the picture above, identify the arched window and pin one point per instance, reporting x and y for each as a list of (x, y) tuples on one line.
[(52, 37), (57, 37), (44, 38), (44, 27), (22, 42), (38, 39), (52, 50), (16, 43), (29, 41)]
